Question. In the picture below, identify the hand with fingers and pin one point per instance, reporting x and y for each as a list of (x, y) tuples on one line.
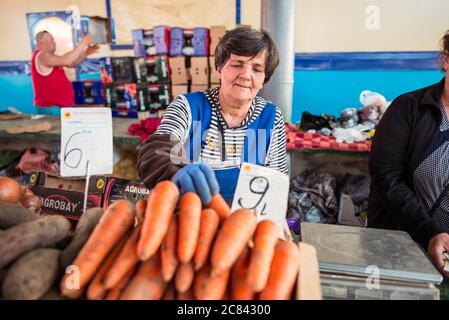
[(437, 245), (198, 178)]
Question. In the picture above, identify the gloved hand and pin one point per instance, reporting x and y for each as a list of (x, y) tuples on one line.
[(198, 178)]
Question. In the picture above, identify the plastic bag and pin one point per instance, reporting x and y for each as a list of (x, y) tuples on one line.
[(348, 135)]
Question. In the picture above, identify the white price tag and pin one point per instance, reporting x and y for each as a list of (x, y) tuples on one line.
[(264, 190), (86, 136)]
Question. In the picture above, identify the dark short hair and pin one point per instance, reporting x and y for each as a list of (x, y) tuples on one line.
[(248, 42), (444, 42)]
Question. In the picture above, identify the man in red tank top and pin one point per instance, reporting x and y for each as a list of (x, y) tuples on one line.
[(52, 88)]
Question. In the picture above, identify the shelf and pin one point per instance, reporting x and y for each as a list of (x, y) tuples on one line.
[(119, 127)]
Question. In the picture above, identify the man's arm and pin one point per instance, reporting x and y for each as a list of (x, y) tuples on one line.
[(70, 59)]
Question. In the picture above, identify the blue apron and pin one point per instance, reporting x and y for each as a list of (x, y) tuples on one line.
[(201, 117)]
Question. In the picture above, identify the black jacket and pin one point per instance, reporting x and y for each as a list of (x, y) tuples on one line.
[(402, 135)]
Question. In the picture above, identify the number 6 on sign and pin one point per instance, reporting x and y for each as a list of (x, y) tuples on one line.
[(86, 136), (265, 191)]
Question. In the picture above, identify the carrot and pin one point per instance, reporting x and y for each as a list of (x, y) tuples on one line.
[(188, 295), (184, 277), (208, 286), (114, 223), (189, 225), (116, 292), (147, 283), (284, 272), (169, 259), (96, 289), (220, 206), (208, 228), (232, 238), (170, 292), (262, 254), (125, 261), (160, 206), (141, 205), (240, 288)]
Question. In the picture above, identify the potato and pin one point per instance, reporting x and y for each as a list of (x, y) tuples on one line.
[(43, 232), (32, 275), (12, 214), (53, 294), (84, 228)]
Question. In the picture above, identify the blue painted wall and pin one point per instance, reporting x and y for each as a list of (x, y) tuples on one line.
[(328, 91), (16, 91), (323, 82)]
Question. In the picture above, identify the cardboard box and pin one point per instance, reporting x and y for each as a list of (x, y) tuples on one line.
[(88, 92), (179, 89), (152, 69), (116, 189), (215, 33), (117, 69), (200, 42), (213, 71), (199, 70), (122, 99), (143, 42), (100, 28), (179, 74), (188, 50), (177, 41), (153, 97), (65, 196), (198, 87), (161, 39), (350, 214), (145, 69)]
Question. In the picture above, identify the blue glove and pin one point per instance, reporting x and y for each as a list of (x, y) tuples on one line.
[(198, 178)]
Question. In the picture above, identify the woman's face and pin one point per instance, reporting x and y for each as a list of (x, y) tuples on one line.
[(242, 77)]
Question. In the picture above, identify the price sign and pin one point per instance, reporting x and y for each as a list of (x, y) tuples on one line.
[(265, 191), (86, 137)]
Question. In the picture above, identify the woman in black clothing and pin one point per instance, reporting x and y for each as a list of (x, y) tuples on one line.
[(409, 166)]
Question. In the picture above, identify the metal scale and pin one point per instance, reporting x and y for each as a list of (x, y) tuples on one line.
[(363, 263)]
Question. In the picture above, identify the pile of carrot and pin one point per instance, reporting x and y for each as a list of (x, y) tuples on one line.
[(170, 247)]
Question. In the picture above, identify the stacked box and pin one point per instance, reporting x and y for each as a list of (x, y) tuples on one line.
[(177, 41), (161, 39), (199, 73), (153, 97), (200, 42), (122, 99), (216, 33), (117, 70), (101, 29), (143, 43), (88, 92), (65, 196), (152, 69), (132, 190)]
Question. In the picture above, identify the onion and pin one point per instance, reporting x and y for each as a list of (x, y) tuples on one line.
[(10, 190), (31, 202)]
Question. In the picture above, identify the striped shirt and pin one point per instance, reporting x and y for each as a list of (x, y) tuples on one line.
[(177, 121)]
